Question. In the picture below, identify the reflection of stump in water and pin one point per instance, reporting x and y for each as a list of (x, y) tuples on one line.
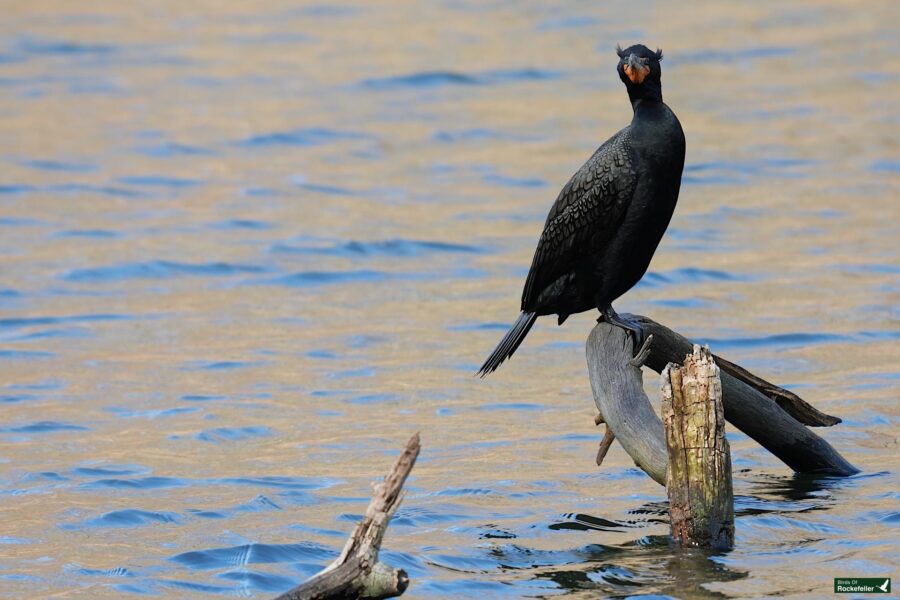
[(647, 566), (691, 570)]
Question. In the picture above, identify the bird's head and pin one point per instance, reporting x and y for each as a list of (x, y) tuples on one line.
[(640, 72)]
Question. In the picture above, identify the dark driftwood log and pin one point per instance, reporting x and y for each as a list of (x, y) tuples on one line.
[(673, 347), (609, 351), (357, 573), (777, 427), (698, 480)]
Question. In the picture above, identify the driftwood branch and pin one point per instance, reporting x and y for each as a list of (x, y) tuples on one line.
[(357, 573), (698, 480), (673, 347), (619, 395), (769, 423)]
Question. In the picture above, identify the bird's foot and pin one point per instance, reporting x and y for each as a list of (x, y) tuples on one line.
[(625, 322)]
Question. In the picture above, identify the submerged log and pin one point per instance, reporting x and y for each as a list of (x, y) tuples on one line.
[(698, 480), (624, 406), (357, 573)]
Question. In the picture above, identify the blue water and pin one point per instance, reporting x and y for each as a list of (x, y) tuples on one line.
[(247, 252)]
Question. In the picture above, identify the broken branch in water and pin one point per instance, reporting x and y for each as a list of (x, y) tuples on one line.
[(357, 573)]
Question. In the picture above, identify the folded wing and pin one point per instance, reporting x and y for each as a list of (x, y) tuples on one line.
[(588, 210)]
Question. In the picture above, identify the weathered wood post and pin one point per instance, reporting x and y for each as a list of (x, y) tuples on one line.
[(698, 478)]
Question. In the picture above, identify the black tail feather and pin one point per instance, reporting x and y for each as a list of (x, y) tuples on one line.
[(509, 343)]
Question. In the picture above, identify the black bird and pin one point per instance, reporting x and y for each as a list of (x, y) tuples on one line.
[(609, 218)]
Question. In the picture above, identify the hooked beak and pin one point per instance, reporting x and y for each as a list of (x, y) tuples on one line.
[(635, 70)]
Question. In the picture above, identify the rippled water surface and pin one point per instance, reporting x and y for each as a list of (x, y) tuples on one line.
[(249, 248)]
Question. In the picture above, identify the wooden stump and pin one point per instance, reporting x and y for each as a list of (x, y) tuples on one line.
[(698, 479)]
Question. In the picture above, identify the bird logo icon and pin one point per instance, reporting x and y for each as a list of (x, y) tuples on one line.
[(884, 586)]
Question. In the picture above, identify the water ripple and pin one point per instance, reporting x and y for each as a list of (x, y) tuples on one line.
[(217, 558), (157, 269), (582, 522), (479, 134), (220, 365), (436, 79), (174, 150), (24, 354), (731, 55), (140, 483), (686, 275), (100, 190), (289, 483), (61, 166), (201, 398), (243, 224), (264, 582), (232, 434), (15, 188), (739, 172), (330, 190), (372, 398), (518, 182), (517, 406), (109, 470), (159, 181), (314, 278), (783, 339), (259, 504), (16, 398), (132, 517), (115, 572), (46, 46), (95, 234), (313, 136), (15, 322), (130, 413), (401, 248), (44, 427)]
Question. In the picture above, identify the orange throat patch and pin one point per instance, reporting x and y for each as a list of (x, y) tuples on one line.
[(637, 74)]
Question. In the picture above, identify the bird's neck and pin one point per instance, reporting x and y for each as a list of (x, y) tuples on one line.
[(657, 135), (646, 93), (645, 106)]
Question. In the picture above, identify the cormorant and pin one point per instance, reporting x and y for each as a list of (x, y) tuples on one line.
[(609, 218)]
